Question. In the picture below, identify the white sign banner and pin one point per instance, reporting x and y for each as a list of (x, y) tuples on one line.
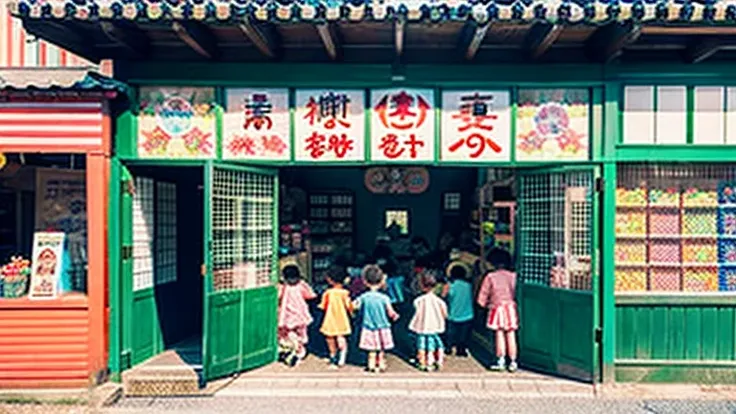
[(329, 125), (46, 264), (402, 125), (256, 125), (476, 126)]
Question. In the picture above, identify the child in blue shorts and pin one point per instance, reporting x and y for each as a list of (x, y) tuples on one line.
[(429, 323)]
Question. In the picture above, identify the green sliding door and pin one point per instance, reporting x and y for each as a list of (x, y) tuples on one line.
[(241, 268), (558, 271)]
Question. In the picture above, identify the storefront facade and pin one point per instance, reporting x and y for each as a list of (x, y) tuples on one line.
[(647, 291), (55, 137)]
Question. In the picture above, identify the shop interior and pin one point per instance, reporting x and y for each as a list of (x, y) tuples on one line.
[(427, 216), (168, 248), (41, 196)]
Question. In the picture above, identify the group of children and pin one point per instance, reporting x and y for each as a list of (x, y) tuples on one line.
[(437, 310)]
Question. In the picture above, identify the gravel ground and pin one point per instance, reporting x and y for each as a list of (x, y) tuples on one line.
[(379, 405)]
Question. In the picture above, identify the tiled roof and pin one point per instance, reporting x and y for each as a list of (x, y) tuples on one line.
[(592, 12)]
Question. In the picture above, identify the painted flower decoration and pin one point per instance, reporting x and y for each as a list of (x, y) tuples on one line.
[(197, 142), (551, 119), (156, 140)]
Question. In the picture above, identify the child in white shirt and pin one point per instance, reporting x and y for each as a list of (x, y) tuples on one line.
[(429, 323)]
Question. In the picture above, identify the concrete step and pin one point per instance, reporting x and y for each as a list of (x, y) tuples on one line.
[(164, 375)]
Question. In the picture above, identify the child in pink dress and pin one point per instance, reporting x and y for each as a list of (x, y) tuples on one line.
[(428, 323), (294, 316), (375, 334), (497, 293)]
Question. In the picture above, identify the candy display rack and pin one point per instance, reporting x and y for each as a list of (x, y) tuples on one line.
[(631, 239)]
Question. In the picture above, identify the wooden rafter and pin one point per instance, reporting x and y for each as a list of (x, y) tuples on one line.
[(64, 37), (263, 36), (399, 34), (608, 41), (540, 38), (471, 37), (198, 37), (130, 38), (329, 33), (703, 49)]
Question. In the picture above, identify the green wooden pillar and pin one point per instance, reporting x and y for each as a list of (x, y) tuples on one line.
[(113, 246), (611, 134)]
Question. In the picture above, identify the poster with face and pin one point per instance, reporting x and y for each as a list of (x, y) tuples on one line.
[(46, 264)]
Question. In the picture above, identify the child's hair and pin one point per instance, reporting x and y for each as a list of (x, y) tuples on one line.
[(372, 275), (291, 274), (499, 258), (458, 271), (428, 280), (336, 274)]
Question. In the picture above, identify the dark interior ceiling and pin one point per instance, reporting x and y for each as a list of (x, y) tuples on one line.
[(389, 42)]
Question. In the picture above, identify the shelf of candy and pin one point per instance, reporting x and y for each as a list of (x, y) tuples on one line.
[(700, 279), (319, 228), (341, 227), (727, 252), (727, 193), (319, 199), (664, 223), (319, 212), (664, 252), (696, 197), (700, 222), (341, 212), (727, 222), (669, 197), (631, 279), (342, 199), (631, 223), (631, 252), (635, 197), (727, 278), (664, 278), (14, 277), (698, 252)]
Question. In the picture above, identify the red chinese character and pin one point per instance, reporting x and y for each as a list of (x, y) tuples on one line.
[(331, 108), (312, 111), (273, 144), (340, 144), (243, 144), (391, 147), (402, 104), (475, 141), (316, 145)]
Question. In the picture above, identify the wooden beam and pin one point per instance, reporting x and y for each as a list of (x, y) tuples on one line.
[(399, 34), (263, 36), (540, 38), (129, 37), (688, 30), (198, 37), (608, 42), (64, 37), (329, 33), (703, 49), (471, 37)]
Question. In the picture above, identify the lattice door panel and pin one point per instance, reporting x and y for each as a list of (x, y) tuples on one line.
[(165, 233), (242, 226), (555, 225), (143, 233)]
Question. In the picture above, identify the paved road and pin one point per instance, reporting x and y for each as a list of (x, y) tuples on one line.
[(380, 405)]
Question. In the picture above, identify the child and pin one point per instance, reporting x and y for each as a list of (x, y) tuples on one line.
[(294, 314), (336, 324), (497, 293), (428, 323), (356, 285), (375, 334), (459, 294)]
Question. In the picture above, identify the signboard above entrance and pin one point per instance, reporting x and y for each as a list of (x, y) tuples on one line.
[(357, 126)]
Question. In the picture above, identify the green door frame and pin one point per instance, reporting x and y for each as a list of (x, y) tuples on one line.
[(595, 240)]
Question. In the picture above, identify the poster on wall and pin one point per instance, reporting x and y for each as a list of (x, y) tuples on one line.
[(61, 206), (329, 125), (257, 125), (402, 125), (476, 126), (176, 122), (552, 125), (46, 265)]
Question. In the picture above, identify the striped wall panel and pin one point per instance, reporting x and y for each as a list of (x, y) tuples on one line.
[(19, 49), (42, 348), (63, 125)]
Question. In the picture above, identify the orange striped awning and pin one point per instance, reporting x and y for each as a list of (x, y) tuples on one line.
[(51, 126)]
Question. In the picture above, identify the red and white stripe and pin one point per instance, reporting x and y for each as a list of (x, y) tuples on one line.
[(49, 125), (18, 49)]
